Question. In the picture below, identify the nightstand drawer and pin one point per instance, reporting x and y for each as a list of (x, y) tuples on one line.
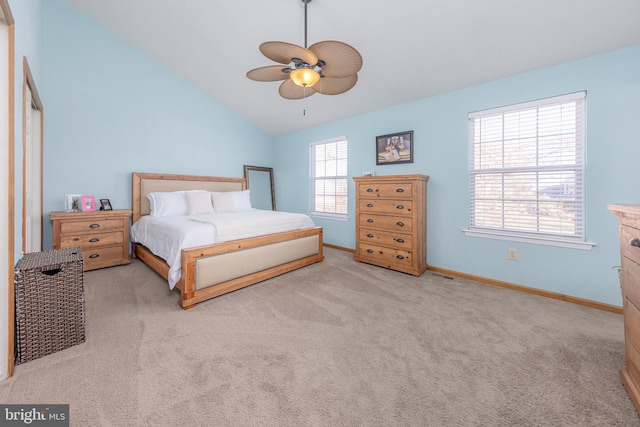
[(387, 222), (88, 241), (103, 257), (96, 226), (391, 206)]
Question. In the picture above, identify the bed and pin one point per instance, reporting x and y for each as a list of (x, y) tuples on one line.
[(210, 270)]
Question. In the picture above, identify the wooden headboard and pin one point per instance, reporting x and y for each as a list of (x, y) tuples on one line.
[(145, 183)]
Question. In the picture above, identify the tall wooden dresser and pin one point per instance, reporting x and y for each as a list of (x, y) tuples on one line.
[(102, 235), (629, 220), (391, 222)]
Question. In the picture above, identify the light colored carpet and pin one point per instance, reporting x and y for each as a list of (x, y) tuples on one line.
[(334, 344)]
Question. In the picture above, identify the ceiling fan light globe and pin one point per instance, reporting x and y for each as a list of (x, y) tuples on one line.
[(304, 77)]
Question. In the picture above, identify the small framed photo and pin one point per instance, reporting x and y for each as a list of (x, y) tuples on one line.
[(88, 203), (394, 148), (72, 202), (368, 173), (105, 205)]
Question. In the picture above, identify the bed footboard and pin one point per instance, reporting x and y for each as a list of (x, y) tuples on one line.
[(210, 271)]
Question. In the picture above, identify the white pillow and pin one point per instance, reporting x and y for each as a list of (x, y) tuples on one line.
[(168, 203), (199, 202), (231, 201)]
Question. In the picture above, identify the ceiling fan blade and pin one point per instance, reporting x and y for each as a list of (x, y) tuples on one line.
[(341, 59), (283, 52), (335, 85), (270, 73), (290, 90)]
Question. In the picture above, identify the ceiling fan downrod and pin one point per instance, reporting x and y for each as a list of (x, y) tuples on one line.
[(306, 2)]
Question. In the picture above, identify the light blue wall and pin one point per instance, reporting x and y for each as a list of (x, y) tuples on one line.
[(612, 82), (111, 110)]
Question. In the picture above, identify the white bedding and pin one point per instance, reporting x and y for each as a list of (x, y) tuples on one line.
[(167, 236)]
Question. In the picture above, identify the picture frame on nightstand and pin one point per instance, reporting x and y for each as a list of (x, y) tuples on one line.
[(72, 202), (88, 203), (105, 205)]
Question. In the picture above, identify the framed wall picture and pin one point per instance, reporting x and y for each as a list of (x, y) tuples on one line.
[(394, 148), (105, 205), (72, 202), (88, 203)]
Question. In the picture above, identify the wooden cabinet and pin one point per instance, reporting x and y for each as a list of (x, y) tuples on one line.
[(629, 220), (391, 222), (102, 235)]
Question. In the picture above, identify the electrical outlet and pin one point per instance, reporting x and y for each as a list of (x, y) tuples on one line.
[(512, 254)]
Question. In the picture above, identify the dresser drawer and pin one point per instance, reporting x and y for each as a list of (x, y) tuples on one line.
[(386, 257), (385, 238), (627, 234), (387, 222), (630, 275), (89, 226), (104, 257), (87, 241), (396, 207), (401, 190), (633, 356)]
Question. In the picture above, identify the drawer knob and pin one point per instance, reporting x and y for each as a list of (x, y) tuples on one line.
[(94, 226), (369, 220), (635, 242), (370, 251), (95, 239), (400, 190), (400, 224), (400, 240), (399, 257), (94, 256), (369, 205), (399, 207), (370, 236), (369, 190)]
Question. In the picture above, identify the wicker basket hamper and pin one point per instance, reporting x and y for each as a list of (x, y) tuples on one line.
[(49, 302)]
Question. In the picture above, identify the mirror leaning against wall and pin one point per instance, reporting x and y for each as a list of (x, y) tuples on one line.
[(260, 182)]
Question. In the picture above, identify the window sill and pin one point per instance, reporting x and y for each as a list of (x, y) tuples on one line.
[(326, 215), (537, 240)]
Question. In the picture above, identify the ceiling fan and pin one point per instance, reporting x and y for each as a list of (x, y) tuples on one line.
[(328, 67)]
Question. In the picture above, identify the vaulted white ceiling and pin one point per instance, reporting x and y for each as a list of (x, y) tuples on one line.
[(411, 49)]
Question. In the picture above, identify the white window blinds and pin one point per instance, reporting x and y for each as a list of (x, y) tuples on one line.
[(329, 177), (526, 169)]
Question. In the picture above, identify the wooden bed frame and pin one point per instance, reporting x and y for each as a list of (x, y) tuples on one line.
[(210, 271)]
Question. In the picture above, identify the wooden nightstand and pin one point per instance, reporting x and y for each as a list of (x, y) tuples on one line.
[(102, 235)]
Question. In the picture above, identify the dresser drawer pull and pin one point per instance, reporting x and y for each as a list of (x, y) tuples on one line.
[(370, 251), (369, 190), (400, 224), (635, 242), (369, 220), (400, 240), (94, 255), (369, 205), (399, 207), (400, 190), (399, 257), (95, 239), (94, 226), (370, 236)]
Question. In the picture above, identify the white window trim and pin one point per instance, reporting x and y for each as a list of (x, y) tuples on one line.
[(535, 238), (326, 215)]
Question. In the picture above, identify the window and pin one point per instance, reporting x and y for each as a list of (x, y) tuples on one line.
[(329, 178), (526, 172)]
